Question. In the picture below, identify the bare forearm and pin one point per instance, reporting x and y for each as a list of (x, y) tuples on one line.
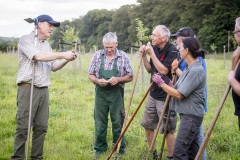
[(48, 56), (172, 92), (59, 65), (125, 79), (159, 66), (235, 86), (147, 64), (179, 72), (235, 58), (93, 78)]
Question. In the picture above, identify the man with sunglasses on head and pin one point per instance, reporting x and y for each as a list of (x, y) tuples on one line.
[(179, 64), (234, 77)]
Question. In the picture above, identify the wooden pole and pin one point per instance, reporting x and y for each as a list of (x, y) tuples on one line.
[(134, 114), (159, 122), (7, 49), (228, 40), (80, 67), (210, 129), (224, 56), (142, 62), (131, 52), (166, 126), (215, 56), (59, 45), (75, 62), (130, 100)]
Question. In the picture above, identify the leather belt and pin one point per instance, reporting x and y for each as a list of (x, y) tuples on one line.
[(29, 85)]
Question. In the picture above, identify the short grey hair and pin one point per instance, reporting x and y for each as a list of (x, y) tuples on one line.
[(238, 23), (109, 37), (164, 32)]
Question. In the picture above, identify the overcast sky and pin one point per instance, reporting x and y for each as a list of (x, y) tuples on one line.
[(13, 12)]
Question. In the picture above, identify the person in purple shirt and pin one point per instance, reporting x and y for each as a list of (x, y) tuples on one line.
[(180, 64)]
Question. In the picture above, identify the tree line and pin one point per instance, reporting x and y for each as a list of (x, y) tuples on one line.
[(210, 19)]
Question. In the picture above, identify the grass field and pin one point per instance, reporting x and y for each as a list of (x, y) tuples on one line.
[(71, 123)]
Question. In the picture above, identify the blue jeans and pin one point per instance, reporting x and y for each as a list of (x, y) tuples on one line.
[(200, 140)]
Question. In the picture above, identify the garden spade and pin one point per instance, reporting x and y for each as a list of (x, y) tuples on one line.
[(29, 20)]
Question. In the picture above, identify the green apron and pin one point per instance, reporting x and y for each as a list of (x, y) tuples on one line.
[(107, 99)]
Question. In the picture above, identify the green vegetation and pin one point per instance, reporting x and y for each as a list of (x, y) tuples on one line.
[(211, 20), (71, 123)]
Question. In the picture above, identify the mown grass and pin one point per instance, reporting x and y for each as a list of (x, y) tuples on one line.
[(71, 123)]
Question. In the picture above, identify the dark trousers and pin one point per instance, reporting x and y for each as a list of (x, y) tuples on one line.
[(39, 121), (186, 144)]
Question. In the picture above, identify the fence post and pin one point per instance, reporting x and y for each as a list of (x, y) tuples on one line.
[(142, 63), (13, 51), (215, 56), (59, 45), (228, 40), (80, 67), (131, 52), (7, 50), (224, 55), (75, 62)]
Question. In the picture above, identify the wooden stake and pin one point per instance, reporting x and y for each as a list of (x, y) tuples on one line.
[(166, 126), (59, 45), (159, 122), (224, 56), (134, 114), (80, 67), (75, 62), (130, 100), (142, 63)]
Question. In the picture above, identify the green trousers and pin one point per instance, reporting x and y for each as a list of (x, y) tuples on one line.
[(107, 101), (39, 121)]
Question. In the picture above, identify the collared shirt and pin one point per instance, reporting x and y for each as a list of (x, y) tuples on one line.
[(191, 84), (183, 64), (166, 56), (26, 52), (123, 64)]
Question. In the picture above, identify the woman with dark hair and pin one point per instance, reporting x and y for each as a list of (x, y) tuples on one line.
[(189, 98)]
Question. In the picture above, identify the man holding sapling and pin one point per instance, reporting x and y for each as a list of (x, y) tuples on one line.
[(38, 51)]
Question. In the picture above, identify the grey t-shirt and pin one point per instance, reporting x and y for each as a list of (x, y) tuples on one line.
[(191, 84)]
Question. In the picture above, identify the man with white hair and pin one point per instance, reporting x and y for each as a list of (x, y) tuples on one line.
[(161, 55), (234, 77), (109, 70)]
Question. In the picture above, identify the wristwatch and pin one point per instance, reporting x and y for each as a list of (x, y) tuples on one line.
[(162, 85), (175, 68)]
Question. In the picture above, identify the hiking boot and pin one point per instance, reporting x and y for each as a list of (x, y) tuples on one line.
[(169, 158)]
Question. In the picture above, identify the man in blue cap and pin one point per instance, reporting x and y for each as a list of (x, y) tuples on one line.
[(45, 62)]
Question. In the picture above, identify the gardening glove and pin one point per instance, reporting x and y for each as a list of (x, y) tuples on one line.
[(174, 63), (166, 79), (158, 80)]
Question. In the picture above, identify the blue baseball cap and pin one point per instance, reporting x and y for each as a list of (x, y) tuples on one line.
[(47, 18)]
